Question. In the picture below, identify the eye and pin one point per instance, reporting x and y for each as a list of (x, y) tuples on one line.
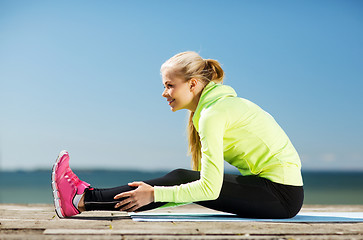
[(168, 86)]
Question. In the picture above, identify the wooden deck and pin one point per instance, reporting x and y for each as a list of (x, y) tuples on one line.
[(38, 221)]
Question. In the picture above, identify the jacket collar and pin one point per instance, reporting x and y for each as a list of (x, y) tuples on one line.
[(211, 93)]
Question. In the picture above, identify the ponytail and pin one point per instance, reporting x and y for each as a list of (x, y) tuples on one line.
[(216, 71)]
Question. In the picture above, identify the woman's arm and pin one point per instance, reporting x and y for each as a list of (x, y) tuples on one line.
[(208, 187), (211, 131)]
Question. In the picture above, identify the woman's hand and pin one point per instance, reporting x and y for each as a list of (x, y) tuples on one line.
[(141, 196)]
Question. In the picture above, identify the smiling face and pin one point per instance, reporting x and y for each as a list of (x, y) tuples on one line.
[(179, 93)]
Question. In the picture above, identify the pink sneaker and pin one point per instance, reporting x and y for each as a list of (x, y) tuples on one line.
[(66, 187)]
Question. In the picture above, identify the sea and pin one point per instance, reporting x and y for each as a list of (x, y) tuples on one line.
[(35, 186)]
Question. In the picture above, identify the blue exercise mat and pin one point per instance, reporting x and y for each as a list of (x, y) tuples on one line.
[(225, 217)]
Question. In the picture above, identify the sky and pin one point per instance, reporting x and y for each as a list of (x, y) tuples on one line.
[(85, 76)]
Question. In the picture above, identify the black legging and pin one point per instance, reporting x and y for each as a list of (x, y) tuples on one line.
[(246, 196)]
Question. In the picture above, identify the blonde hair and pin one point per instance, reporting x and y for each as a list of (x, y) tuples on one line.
[(190, 65)]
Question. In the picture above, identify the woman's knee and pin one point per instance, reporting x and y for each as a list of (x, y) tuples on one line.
[(177, 172), (183, 175)]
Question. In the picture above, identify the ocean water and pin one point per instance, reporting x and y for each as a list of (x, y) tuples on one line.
[(35, 186)]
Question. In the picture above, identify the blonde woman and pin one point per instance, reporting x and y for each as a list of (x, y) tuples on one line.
[(222, 127)]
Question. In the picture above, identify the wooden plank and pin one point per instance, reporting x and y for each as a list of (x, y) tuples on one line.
[(18, 221)]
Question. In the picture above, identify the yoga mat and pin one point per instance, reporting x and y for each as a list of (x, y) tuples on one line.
[(226, 217)]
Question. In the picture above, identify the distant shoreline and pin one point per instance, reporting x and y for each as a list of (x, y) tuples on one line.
[(321, 187)]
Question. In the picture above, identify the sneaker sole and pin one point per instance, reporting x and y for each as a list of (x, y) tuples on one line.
[(56, 199)]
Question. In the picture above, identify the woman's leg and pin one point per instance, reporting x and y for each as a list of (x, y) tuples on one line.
[(247, 196), (103, 199)]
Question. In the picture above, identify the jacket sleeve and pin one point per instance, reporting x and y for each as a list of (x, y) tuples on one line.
[(211, 131)]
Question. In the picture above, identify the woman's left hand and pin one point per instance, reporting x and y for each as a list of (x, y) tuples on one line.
[(141, 196)]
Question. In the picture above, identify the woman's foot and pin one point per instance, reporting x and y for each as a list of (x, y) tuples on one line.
[(68, 190)]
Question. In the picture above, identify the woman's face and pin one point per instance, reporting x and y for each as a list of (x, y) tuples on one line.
[(177, 92)]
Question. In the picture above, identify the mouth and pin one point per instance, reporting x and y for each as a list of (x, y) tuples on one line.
[(171, 101)]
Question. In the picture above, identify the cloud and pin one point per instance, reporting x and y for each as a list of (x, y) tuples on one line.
[(329, 157)]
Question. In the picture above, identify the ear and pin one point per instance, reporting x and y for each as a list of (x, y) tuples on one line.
[(193, 84)]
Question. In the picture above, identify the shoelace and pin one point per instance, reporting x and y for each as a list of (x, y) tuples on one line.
[(72, 177)]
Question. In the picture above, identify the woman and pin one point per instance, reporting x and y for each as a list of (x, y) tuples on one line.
[(221, 127)]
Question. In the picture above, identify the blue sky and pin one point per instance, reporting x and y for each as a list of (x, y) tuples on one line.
[(84, 76)]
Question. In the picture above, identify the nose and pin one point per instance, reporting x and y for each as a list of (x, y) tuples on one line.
[(164, 94)]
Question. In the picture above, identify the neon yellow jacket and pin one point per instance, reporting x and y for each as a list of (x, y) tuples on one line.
[(240, 132)]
